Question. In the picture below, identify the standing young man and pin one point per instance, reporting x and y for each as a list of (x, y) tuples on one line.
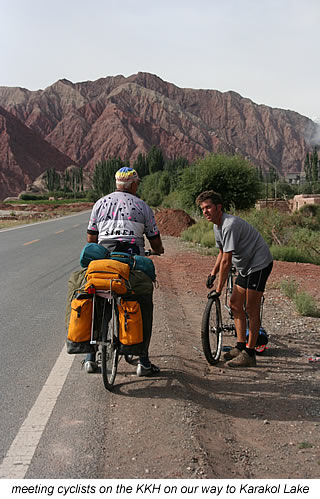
[(241, 245)]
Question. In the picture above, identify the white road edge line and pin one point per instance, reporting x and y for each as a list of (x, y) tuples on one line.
[(45, 221), (20, 454)]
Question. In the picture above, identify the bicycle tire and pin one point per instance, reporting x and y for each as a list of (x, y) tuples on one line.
[(211, 331), (110, 354), (260, 349)]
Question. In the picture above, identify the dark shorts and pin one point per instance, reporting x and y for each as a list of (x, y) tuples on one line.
[(256, 280)]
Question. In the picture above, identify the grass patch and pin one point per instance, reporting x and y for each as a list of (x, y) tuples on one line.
[(7, 224), (58, 202), (200, 233), (305, 445), (304, 303), (289, 287), (290, 254)]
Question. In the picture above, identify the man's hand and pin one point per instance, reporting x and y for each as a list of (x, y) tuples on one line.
[(214, 294), (210, 280)]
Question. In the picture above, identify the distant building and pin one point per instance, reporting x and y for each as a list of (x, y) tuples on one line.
[(301, 199), (288, 205), (279, 204), (295, 178)]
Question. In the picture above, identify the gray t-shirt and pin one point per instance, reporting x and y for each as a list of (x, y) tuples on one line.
[(121, 216), (250, 252)]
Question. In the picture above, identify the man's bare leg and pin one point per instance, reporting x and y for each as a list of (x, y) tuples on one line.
[(237, 300), (246, 357), (253, 302)]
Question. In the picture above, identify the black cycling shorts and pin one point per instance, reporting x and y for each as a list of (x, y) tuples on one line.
[(256, 280)]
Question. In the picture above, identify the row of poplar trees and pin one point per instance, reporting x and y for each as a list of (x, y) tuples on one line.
[(69, 181), (311, 166)]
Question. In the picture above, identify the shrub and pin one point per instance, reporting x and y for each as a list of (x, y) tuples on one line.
[(208, 240), (308, 216), (92, 196), (289, 288), (197, 232), (33, 197), (173, 201), (305, 445), (289, 254), (154, 188), (271, 223), (305, 304), (232, 176), (303, 301)]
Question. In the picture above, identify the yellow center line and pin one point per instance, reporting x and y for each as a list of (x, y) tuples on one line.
[(59, 231), (31, 242)]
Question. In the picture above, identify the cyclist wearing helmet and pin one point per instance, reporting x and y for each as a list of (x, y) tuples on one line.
[(241, 245), (119, 221)]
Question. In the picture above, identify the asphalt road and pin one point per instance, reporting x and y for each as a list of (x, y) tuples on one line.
[(36, 261)]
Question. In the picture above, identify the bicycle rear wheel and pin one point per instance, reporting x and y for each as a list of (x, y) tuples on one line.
[(211, 331), (110, 345)]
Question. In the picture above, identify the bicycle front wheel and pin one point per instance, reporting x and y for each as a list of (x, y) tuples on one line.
[(109, 357), (211, 331)]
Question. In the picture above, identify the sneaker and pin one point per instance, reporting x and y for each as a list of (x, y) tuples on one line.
[(234, 352), (146, 371), (243, 360), (90, 366)]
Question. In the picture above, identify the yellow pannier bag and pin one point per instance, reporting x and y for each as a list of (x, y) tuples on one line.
[(79, 330), (116, 285), (108, 275), (130, 322)]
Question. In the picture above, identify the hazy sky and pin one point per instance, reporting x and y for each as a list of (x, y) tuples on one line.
[(267, 50)]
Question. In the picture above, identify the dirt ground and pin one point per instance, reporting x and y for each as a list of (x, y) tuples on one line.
[(254, 423), (194, 420)]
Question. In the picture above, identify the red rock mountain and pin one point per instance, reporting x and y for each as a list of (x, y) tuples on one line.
[(24, 155), (118, 116)]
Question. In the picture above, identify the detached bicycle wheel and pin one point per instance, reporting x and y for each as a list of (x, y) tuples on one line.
[(260, 349), (109, 357), (211, 331)]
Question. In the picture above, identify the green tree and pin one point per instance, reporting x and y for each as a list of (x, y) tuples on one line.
[(155, 160), (315, 165), (81, 178), (103, 177), (66, 181), (52, 180), (232, 176), (260, 173), (174, 167), (286, 190), (273, 174), (155, 187), (308, 168), (141, 165)]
